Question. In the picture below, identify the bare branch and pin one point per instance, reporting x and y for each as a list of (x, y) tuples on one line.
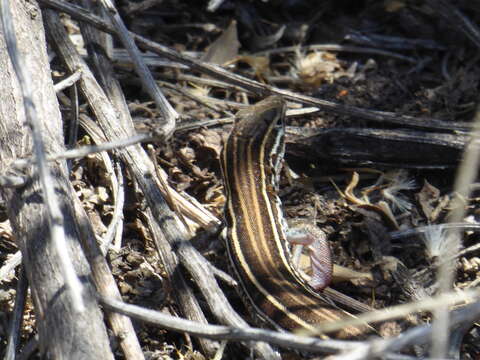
[(167, 111), (55, 217), (229, 332), (256, 87)]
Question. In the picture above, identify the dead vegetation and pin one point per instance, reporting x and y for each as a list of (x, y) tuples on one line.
[(382, 100)]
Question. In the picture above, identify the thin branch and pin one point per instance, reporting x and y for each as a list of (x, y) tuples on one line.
[(67, 82), (17, 316), (165, 225), (400, 311), (91, 149), (115, 228), (258, 88), (55, 217), (12, 181), (10, 265), (450, 13), (461, 226), (340, 48), (466, 174), (168, 113), (227, 332), (189, 206), (166, 190)]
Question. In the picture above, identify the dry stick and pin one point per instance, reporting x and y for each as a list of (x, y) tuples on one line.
[(190, 207), (393, 356), (74, 114), (59, 325), (135, 7), (222, 332), (73, 121), (466, 174), (172, 231), (214, 5), (88, 150), (168, 194), (465, 177), (121, 59), (12, 181), (377, 347), (116, 123), (399, 311), (186, 299), (416, 336), (67, 82), (93, 149), (203, 100), (360, 353), (118, 208), (122, 326), (223, 276), (55, 217), (422, 334), (256, 87), (142, 169), (10, 265), (221, 350), (421, 230), (115, 228), (335, 47), (167, 111), (204, 123), (200, 80), (451, 14), (17, 317)]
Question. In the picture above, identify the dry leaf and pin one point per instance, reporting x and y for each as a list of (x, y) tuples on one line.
[(208, 139), (225, 48), (260, 64), (187, 154), (427, 198), (319, 67)]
